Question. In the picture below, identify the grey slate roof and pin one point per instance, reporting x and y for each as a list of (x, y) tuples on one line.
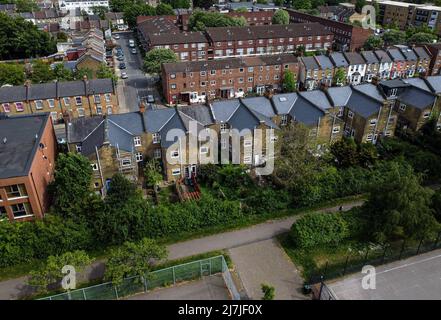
[(370, 57), (12, 94), (434, 83), (199, 113), (408, 53), (169, 136), (370, 90), (259, 104), (396, 54), (339, 95), (338, 59), (305, 112), (363, 104), (382, 56), (318, 98), (310, 63), (132, 121), (42, 91), (417, 97), (418, 82), (222, 110), (284, 102), (354, 58), (156, 119), (71, 88), (324, 62), (22, 134), (421, 53)]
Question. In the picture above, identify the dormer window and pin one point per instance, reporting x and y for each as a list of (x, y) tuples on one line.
[(393, 92), (156, 138), (137, 141)]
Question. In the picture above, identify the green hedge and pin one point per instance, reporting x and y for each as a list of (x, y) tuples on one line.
[(319, 229)]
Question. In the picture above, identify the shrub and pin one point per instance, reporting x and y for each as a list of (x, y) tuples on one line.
[(319, 229)]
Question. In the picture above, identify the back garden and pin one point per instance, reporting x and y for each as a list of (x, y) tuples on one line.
[(391, 173)]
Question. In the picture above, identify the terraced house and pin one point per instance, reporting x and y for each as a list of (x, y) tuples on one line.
[(368, 115), (197, 82), (27, 160), (70, 99)]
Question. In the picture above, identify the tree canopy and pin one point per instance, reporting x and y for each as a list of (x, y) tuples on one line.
[(281, 17), (155, 57), (373, 43), (393, 37), (20, 39), (13, 74), (289, 82), (200, 20)]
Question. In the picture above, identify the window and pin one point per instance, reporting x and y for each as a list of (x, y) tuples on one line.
[(203, 83), (203, 150), (284, 120), (172, 76), (156, 138), (250, 69), (38, 104), (126, 162), (203, 73), (54, 116), (94, 166), (80, 112), (176, 172), (350, 114), (99, 110), (138, 157), (393, 92), (78, 148), (369, 137), (6, 107), (241, 70), (173, 86), (336, 129), (250, 79), (137, 141), (97, 98), (109, 109), (340, 112), (402, 107), (16, 191), (426, 115), (19, 106), (66, 101), (51, 103), (174, 154), (108, 96), (373, 122), (20, 210), (213, 72), (223, 127), (78, 101), (157, 154)]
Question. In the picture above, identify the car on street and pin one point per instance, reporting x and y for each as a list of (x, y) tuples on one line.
[(120, 58), (131, 43), (150, 98), (124, 75), (133, 51), (116, 36), (61, 140), (122, 65)]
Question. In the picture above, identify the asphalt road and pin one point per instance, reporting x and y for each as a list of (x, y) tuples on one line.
[(138, 85)]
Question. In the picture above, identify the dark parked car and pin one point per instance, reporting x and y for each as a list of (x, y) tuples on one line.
[(120, 58), (122, 65)]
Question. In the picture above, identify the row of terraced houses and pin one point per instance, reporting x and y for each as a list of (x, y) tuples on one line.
[(199, 81)]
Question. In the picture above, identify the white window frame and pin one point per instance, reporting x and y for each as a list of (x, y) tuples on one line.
[(137, 141)]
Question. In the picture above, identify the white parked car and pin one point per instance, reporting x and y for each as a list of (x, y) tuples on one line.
[(124, 75)]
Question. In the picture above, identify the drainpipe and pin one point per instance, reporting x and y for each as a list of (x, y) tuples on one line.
[(376, 124)]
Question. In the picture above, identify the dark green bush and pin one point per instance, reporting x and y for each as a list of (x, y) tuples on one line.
[(319, 229)]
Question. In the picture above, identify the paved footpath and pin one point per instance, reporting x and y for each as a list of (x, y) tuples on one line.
[(16, 288)]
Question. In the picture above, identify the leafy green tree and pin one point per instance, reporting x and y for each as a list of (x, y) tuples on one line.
[(20, 39), (80, 73), (281, 17), (421, 38), (164, 9), (52, 272), (268, 292), (436, 205), (155, 57), (204, 4), (62, 37), (41, 72), (179, 4), (241, 10), (61, 73), (262, 1), (105, 72), (70, 190), (373, 43), (345, 152), (133, 259), (152, 172), (399, 208), (131, 12), (12, 74), (393, 37), (289, 82), (100, 11), (302, 4), (339, 77), (200, 20), (26, 5), (359, 4), (278, 3), (367, 154)]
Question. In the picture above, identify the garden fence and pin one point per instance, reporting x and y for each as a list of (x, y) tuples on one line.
[(160, 278), (373, 255)]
